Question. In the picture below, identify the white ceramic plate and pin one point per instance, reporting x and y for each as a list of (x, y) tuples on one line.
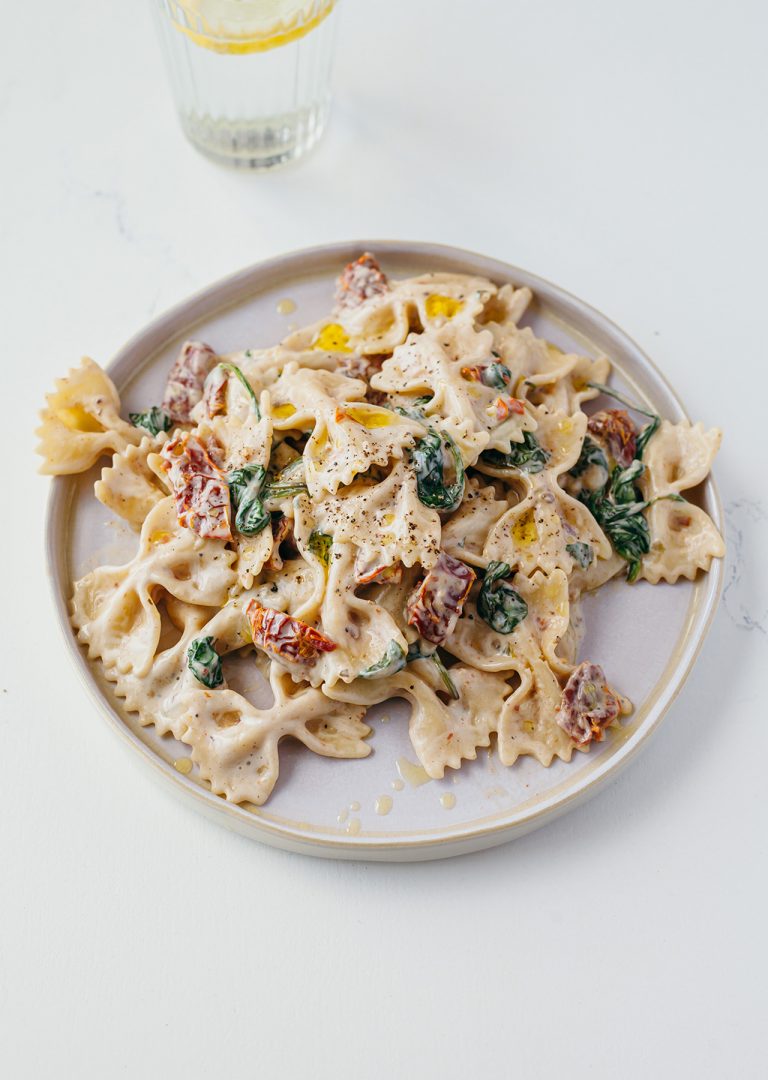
[(333, 808)]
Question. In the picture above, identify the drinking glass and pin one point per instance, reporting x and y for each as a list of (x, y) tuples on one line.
[(251, 78)]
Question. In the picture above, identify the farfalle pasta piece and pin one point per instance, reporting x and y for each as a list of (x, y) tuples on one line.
[(446, 367), (506, 306), (571, 388), (81, 422), (386, 521), (442, 735), (465, 533), (527, 723), (129, 487), (235, 744), (684, 538), (384, 319), (539, 531), (360, 627), (445, 734), (348, 436), (545, 622), (113, 608)]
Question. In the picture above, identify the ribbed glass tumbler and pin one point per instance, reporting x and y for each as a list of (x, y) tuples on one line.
[(251, 78)]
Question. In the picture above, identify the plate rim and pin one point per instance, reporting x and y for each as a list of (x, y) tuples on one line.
[(462, 838)]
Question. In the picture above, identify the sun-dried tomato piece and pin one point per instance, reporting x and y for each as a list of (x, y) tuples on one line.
[(434, 608), (374, 572), (200, 488), (187, 378), (282, 533), (359, 281), (503, 407), (286, 638), (616, 428), (360, 367), (215, 392), (588, 704)]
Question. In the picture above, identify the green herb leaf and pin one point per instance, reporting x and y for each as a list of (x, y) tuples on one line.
[(245, 491), (623, 524), (428, 460), (498, 604), (393, 660), (582, 554), (590, 455), (288, 482), (415, 653), (320, 546), (234, 370), (416, 412), (154, 420), (496, 375), (283, 491), (529, 456), (205, 663), (622, 487), (642, 439)]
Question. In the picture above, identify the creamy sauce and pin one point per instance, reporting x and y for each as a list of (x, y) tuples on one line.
[(286, 306), (353, 828), (342, 816), (183, 765), (383, 804), (397, 785), (354, 806), (448, 801), (412, 774)]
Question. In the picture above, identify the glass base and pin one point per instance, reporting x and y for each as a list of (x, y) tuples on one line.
[(256, 144)]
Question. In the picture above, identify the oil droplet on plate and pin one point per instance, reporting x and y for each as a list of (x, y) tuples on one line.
[(412, 774), (342, 816), (397, 785), (183, 765), (385, 718), (383, 804), (354, 826), (448, 801), (354, 806), (286, 306)]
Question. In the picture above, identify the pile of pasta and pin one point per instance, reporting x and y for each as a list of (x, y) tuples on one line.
[(404, 500)]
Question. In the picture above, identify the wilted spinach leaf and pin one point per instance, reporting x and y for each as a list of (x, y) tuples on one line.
[(498, 604), (590, 454), (320, 545), (245, 491), (496, 375), (428, 458), (205, 663), (581, 553), (528, 456), (232, 369), (393, 660), (154, 420)]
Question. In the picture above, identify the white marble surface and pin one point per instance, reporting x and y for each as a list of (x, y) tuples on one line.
[(617, 149)]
